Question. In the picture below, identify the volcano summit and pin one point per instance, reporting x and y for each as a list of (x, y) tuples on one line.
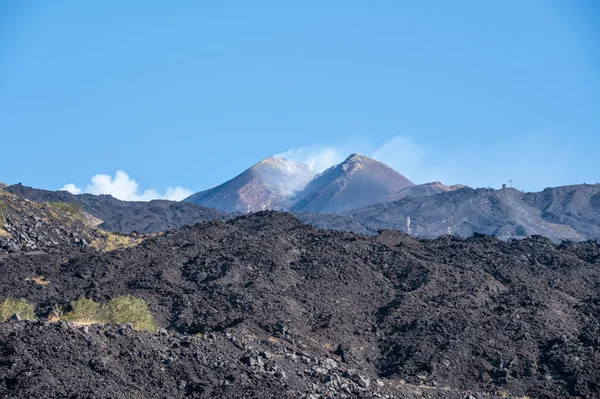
[(279, 184)]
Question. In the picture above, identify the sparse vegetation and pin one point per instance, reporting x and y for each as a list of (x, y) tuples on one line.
[(74, 210), (129, 309), (123, 309), (10, 306), (3, 210), (115, 241)]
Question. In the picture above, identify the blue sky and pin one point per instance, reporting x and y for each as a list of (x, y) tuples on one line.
[(190, 93)]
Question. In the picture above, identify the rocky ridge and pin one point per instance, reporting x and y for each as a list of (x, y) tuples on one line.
[(422, 190), (126, 216), (560, 213)]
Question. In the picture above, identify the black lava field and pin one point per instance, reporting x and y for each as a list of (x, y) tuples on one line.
[(265, 306)]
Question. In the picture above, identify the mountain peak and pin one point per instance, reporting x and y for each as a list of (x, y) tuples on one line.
[(271, 161), (356, 162), (356, 182), (283, 165), (356, 157)]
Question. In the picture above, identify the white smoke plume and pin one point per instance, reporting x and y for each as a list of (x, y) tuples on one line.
[(317, 158), (401, 153), (533, 160)]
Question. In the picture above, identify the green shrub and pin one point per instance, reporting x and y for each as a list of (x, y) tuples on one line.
[(68, 208), (24, 309), (123, 309), (129, 309), (86, 311)]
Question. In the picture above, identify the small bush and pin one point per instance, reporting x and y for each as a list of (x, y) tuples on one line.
[(68, 208), (86, 311), (128, 309), (123, 309), (24, 309)]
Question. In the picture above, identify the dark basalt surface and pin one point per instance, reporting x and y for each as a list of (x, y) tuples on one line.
[(453, 315), (42, 360)]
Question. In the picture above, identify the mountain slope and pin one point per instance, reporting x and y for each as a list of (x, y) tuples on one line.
[(126, 216), (270, 184), (576, 205), (356, 182), (569, 212), (505, 213)]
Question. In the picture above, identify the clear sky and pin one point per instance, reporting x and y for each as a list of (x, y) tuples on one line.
[(190, 93)]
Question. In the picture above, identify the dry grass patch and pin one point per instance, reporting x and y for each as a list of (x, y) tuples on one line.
[(56, 315), (328, 346), (39, 280)]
